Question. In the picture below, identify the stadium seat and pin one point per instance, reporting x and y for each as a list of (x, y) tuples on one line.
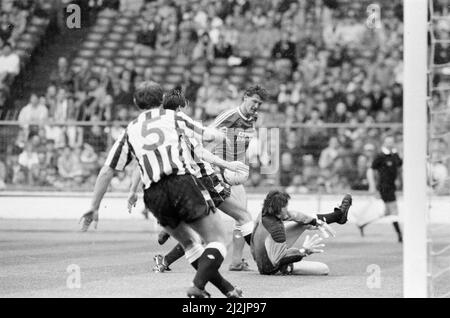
[(258, 71), (102, 29), (107, 14), (140, 70), (95, 37), (86, 53), (111, 45), (115, 37), (39, 21), (167, 86), (198, 69), (159, 69), (237, 80), (221, 62), (219, 70), (177, 69), (174, 78), (104, 21), (164, 53), (127, 53), (118, 69), (216, 79), (129, 44), (158, 78), (146, 53), (260, 61), (197, 78), (161, 61), (101, 61), (96, 68), (239, 71), (91, 45), (78, 61), (120, 61), (142, 62), (119, 29), (181, 61), (107, 53), (123, 21), (131, 37)]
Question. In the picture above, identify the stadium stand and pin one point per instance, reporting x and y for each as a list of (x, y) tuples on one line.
[(317, 73)]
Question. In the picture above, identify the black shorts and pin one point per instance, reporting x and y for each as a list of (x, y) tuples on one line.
[(387, 194), (218, 190), (176, 199)]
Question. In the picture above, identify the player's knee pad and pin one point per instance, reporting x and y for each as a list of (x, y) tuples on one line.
[(192, 254), (218, 246)]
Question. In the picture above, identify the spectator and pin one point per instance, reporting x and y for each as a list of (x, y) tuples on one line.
[(28, 157), (6, 27), (82, 77), (69, 166), (95, 137), (166, 36), (360, 181), (9, 63), (33, 113), (329, 154), (287, 169), (146, 36), (285, 49), (62, 77), (222, 50)]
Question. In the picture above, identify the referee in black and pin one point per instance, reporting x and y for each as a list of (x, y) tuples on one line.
[(382, 175)]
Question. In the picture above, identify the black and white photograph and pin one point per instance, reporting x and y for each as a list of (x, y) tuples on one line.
[(221, 149)]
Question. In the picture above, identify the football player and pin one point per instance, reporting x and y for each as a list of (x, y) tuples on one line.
[(272, 240)]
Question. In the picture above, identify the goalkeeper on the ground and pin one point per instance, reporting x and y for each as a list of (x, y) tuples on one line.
[(272, 240)]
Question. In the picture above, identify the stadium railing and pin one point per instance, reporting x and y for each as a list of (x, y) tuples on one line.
[(294, 156)]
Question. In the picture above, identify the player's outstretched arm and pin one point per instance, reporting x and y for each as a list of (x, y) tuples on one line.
[(313, 222), (194, 129), (209, 157), (313, 245), (101, 186), (132, 195)]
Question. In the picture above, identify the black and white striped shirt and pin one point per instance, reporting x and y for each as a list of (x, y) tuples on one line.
[(157, 139)]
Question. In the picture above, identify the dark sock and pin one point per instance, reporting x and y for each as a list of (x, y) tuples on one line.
[(208, 267), (175, 254), (331, 217), (218, 281), (248, 239), (397, 230)]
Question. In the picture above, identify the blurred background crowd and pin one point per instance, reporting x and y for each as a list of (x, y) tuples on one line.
[(326, 64)]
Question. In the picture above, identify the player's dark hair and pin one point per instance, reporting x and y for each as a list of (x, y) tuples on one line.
[(256, 90), (148, 95), (174, 99), (274, 202)]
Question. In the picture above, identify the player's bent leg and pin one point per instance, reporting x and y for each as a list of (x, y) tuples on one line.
[(293, 232), (310, 268), (212, 233), (392, 209), (242, 231), (184, 234), (240, 214), (235, 209), (193, 255)]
